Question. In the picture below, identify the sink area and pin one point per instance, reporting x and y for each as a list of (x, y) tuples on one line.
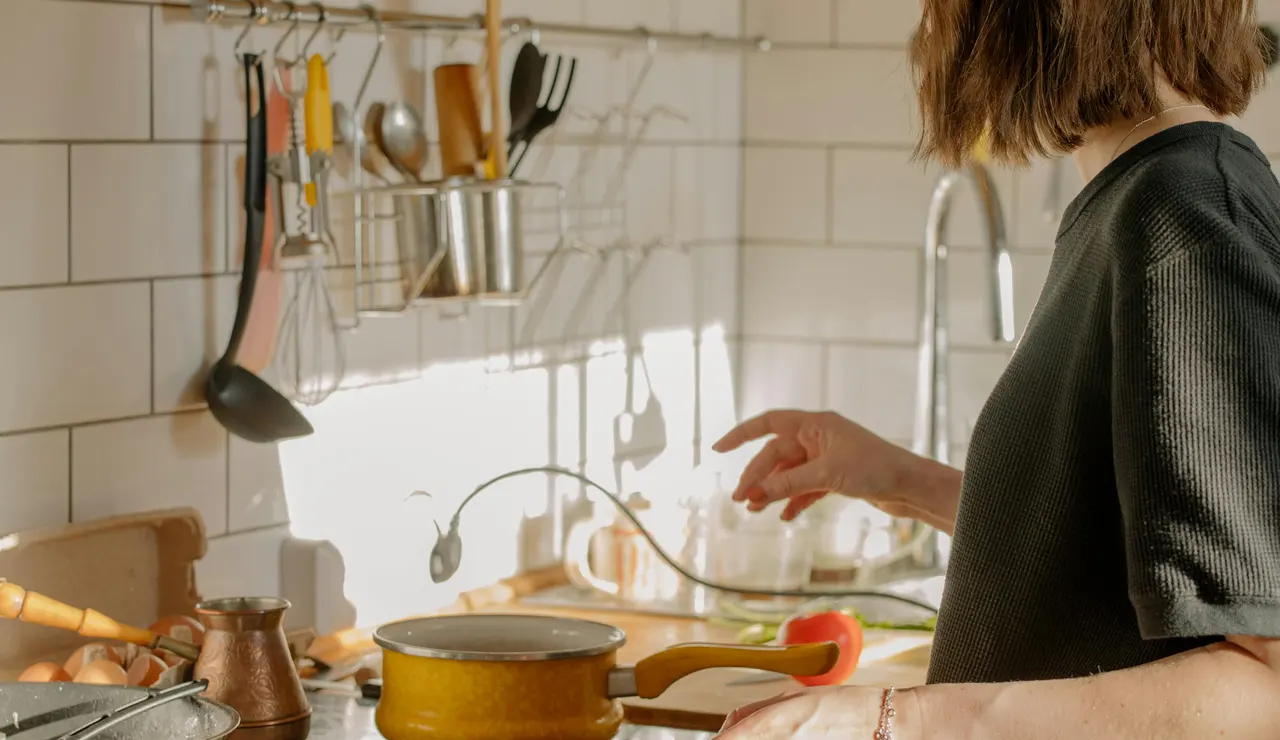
[(696, 604)]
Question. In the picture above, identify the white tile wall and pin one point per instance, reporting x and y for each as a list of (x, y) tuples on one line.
[(781, 375), (87, 64), (875, 23), (151, 463), (33, 209), (829, 96), (786, 194), (120, 183), (795, 22), (830, 292), (117, 192), (34, 472), (74, 354)]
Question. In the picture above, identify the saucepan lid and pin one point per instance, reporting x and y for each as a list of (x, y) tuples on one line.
[(499, 637), (46, 711)]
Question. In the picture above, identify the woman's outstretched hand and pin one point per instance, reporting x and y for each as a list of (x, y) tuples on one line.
[(816, 453)]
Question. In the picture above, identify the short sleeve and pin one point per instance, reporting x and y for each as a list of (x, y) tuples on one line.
[(1196, 434)]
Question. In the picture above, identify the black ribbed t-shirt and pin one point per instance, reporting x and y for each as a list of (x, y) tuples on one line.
[(1121, 496)]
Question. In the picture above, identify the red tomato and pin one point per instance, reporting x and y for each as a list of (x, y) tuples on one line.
[(836, 627)]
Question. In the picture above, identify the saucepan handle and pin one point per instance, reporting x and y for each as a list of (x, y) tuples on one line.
[(655, 674)]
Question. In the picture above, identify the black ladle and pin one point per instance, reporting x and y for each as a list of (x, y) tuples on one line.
[(242, 402), (544, 116), (526, 89)]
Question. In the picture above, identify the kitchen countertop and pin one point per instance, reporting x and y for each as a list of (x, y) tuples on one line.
[(698, 701), (340, 717)]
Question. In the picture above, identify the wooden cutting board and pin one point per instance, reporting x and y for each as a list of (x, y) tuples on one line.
[(701, 701), (134, 568)]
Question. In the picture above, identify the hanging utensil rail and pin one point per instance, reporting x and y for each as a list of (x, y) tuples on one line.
[(269, 11)]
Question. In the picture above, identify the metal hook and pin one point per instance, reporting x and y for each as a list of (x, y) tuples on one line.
[(322, 19), (290, 64), (257, 16), (377, 51), (290, 15)]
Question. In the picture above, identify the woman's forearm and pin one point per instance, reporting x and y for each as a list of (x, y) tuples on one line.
[(929, 491), (1222, 691)]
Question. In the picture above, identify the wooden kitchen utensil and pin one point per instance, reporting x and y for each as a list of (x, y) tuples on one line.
[(498, 127), (18, 603), (458, 117)]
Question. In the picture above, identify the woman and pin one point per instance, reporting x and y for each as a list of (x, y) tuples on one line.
[(1115, 571)]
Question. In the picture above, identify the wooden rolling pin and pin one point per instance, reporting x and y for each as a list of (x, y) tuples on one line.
[(29, 606)]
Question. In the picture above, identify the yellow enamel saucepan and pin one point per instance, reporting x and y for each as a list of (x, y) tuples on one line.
[(524, 677)]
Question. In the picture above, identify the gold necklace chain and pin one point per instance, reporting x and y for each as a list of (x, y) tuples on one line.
[(1133, 130)]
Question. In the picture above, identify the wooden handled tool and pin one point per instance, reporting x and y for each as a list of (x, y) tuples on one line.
[(498, 133), (29, 606), (461, 141)]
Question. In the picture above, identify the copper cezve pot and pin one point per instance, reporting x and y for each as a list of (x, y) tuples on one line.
[(246, 660)]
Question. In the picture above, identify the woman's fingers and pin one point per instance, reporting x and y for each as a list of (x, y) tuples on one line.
[(782, 423), (781, 451), (797, 504), (791, 481)]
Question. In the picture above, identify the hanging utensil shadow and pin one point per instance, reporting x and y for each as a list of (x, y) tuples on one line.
[(639, 436)]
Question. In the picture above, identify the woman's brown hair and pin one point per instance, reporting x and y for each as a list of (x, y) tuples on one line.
[(1040, 73)]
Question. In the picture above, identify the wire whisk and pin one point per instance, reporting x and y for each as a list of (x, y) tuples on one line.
[(314, 359)]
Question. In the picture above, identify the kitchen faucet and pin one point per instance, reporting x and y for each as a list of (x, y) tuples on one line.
[(920, 548), (933, 408)]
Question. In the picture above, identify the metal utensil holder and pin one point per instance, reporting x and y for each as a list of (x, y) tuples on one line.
[(458, 240)]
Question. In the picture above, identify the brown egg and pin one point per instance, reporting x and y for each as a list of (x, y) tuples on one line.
[(88, 654), (103, 672), (180, 627), (173, 675), (170, 659), (130, 652), (44, 673), (145, 669)]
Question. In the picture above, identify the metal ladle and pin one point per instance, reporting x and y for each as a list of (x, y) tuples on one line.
[(372, 160), (402, 137)]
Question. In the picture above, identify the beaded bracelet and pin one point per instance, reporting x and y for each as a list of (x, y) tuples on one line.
[(884, 730)]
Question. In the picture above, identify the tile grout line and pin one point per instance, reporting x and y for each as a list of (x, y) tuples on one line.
[(226, 525), (151, 323), (829, 175), (151, 73), (71, 478), (736, 370), (70, 220), (824, 376)]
